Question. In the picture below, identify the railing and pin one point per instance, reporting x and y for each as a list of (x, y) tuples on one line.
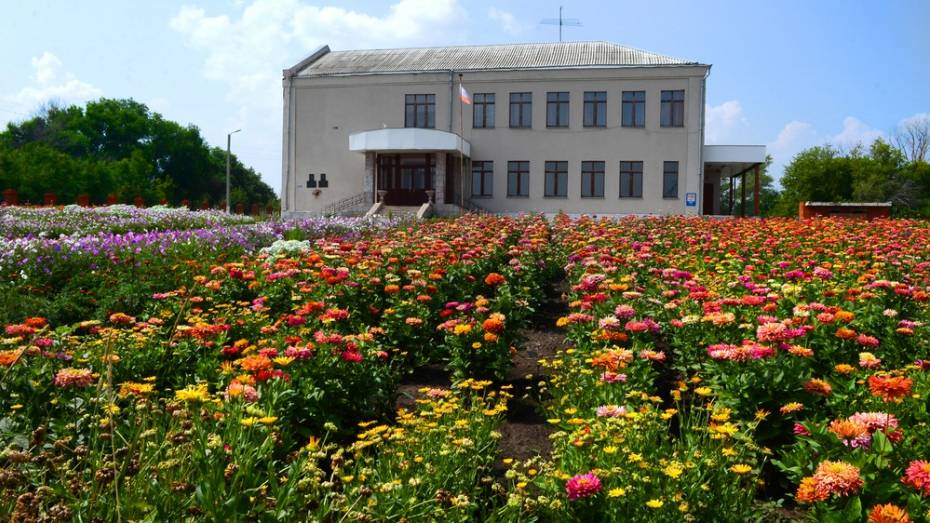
[(469, 205), (351, 202)]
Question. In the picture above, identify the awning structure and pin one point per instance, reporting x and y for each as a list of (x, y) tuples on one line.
[(407, 140), (732, 161)]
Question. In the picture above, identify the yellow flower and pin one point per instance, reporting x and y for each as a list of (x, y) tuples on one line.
[(761, 414), (741, 468), (673, 471), (728, 452), (193, 393), (476, 345), (249, 422), (610, 450), (112, 409), (283, 361), (655, 503), (267, 420), (616, 492), (635, 458), (703, 391)]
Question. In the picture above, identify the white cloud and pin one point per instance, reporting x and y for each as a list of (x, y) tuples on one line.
[(913, 119), (506, 20), (247, 53), (855, 132), (725, 122), (50, 83)]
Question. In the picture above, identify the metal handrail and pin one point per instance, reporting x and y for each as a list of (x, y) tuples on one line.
[(348, 203)]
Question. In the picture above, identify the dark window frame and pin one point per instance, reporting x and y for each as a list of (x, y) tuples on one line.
[(483, 111), (559, 101), (636, 102), (634, 172), (672, 113), (595, 109), (558, 172), (521, 170), (522, 102), (669, 169), (422, 108), (484, 169), (591, 172)]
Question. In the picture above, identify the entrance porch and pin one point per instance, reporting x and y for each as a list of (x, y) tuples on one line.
[(411, 166), (727, 164)]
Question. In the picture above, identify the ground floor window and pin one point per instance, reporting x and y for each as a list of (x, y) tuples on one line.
[(556, 180), (631, 179), (482, 178), (518, 178), (670, 180), (592, 179)]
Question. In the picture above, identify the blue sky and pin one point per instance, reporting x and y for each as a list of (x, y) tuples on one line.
[(787, 74)]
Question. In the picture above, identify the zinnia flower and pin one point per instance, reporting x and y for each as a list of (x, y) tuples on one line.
[(917, 475), (582, 486), (890, 388), (494, 279), (888, 513), (73, 378), (832, 478), (818, 387)]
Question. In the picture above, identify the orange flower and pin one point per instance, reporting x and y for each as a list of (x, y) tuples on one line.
[(888, 513), (494, 324), (121, 319), (852, 433), (845, 334), (890, 388), (832, 478), (9, 357), (808, 491), (819, 387), (494, 279), (255, 362)]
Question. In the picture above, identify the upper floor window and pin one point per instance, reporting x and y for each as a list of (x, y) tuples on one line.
[(521, 110), (483, 112), (595, 109), (420, 110), (592, 179), (556, 179), (557, 109), (631, 179), (482, 179), (673, 109), (670, 180), (518, 179), (633, 111)]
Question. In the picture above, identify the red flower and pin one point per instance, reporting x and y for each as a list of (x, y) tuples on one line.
[(494, 279)]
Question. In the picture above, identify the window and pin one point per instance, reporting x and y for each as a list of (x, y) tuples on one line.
[(595, 109), (420, 111), (670, 180), (521, 110), (633, 111), (323, 182), (311, 181), (482, 179), (518, 179), (483, 112), (592, 179), (557, 109), (631, 179), (673, 109), (556, 179)]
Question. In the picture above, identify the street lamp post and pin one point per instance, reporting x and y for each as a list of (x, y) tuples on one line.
[(228, 143)]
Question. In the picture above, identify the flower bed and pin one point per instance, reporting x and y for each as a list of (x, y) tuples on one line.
[(712, 370)]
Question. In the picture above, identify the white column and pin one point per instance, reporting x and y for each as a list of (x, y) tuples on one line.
[(368, 183), (439, 182)]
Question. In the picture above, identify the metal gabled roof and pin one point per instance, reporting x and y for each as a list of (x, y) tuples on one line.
[(555, 55)]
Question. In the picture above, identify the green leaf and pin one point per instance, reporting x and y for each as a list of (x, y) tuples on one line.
[(881, 444), (853, 510)]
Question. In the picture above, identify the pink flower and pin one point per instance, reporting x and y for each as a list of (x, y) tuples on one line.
[(582, 486), (73, 378), (611, 411), (801, 430), (624, 311), (612, 377)]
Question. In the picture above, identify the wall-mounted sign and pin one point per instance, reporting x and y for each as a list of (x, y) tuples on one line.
[(691, 199)]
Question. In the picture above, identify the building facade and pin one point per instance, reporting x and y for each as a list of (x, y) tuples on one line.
[(575, 127)]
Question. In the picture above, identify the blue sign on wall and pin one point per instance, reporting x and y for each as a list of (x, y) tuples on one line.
[(691, 199)]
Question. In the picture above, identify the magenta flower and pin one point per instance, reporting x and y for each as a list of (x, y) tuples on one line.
[(582, 486)]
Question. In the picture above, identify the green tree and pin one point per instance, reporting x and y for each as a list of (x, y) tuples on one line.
[(119, 148)]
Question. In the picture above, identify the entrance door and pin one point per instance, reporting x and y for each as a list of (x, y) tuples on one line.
[(709, 198), (406, 177)]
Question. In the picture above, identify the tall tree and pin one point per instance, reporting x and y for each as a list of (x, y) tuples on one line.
[(913, 138)]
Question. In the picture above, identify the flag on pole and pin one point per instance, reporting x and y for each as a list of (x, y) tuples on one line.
[(463, 94)]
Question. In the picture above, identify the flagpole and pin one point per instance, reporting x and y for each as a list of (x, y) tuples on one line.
[(462, 137)]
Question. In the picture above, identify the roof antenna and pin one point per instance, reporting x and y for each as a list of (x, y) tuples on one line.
[(567, 22)]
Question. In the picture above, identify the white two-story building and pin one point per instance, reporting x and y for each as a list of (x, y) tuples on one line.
[(576, 127)]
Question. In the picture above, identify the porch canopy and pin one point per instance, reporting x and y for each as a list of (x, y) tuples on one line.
[(409, 139), (735, 161)]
